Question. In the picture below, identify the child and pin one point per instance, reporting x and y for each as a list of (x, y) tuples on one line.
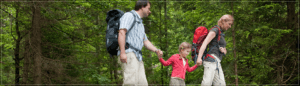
[(179, 64)]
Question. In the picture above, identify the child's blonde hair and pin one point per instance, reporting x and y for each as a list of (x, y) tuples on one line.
[(184, 45)]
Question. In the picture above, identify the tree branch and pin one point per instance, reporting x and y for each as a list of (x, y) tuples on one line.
[(291, 73), (13, 17), (12, 31)]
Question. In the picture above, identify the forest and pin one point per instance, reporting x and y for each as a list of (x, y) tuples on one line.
[(62, 42)]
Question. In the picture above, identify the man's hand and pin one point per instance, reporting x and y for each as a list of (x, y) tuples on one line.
[(159, 57), (159, 53), (223, 50), (123, 58)]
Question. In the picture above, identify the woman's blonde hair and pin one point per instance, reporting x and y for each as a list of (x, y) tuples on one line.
[(225, 18), (184, 45)]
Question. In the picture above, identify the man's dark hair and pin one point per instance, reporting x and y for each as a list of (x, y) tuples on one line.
[(141, 3)]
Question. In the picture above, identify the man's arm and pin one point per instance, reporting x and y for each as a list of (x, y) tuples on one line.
[(125, 23), (149, 46), (121, 41)]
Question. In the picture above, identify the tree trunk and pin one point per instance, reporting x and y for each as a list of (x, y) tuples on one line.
[(291, 16), (115, 71), (35, 42), (160, 41), (17, 50), (234, 50), (166, 37), (278, 76), (111, 69), (26, 61), (292, 23)]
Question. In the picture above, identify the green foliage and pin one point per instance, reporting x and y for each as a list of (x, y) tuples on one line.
[(73, 40)]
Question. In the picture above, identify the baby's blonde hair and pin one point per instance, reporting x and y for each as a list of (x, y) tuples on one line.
[(184, 45)]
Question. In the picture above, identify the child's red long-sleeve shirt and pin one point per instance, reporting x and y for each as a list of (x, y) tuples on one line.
[(177, 64)]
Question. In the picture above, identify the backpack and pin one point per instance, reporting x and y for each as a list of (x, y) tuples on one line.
[(199, 36), (113, 24)]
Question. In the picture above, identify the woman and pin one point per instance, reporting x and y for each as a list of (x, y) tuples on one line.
[(213, 73)]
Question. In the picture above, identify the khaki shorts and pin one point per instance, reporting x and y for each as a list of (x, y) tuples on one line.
[(133, 71), (175, 81), (211, 74)]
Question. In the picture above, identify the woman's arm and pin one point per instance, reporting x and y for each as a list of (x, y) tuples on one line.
[(209, 37)]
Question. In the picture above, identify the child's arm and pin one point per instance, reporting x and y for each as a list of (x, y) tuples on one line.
[(190, 69), (166, 63)]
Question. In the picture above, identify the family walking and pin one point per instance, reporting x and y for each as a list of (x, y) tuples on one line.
[(132, 38)]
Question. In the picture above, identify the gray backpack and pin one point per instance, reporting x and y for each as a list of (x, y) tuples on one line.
[(113, 24)]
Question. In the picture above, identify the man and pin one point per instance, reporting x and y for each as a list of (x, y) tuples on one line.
[(131, 59)]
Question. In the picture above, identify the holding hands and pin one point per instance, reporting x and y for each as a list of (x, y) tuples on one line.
[(159, 53), (199, 61)]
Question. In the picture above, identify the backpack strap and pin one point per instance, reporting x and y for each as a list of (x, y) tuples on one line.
[(134, 21), (218, 40), (219, 37), (219, 33), (208, 55)]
